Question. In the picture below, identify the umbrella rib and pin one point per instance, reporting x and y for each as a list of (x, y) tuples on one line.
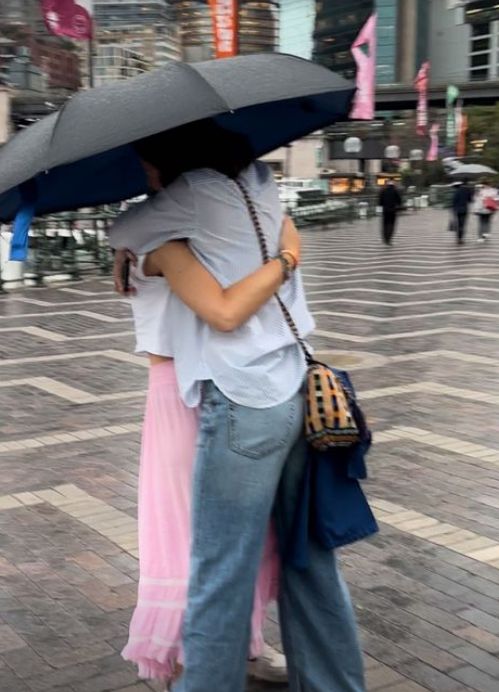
[(189, 68), (52, 136)]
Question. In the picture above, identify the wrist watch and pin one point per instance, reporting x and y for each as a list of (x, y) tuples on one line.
[(287, 266)]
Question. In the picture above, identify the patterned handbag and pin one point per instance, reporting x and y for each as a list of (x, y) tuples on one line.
[(329, 420)]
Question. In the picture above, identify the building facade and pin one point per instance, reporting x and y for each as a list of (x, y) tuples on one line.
[(402, 36), (30, 57), (258, 27), (113, 61), (145, 27), (337, 24), (296, 27), (464, 41)]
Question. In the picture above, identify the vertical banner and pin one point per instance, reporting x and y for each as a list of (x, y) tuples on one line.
[(224, 15), (364, 52), (461, 130), (452, 96), (421, 86), (72, 18), (433, 150)]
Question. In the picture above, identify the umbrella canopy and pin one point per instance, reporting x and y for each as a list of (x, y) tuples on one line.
[(468, 169), (82, 155)]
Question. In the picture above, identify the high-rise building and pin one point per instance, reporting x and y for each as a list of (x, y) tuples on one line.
[(258, 26), (113, 61), (402, 36), (337, 24), (196, 29), (296, 27), (257, 21), (145, 27), (464, 41), (482, 18), (31, 57)]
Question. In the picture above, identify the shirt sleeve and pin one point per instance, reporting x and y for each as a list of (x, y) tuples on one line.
[(168, 215)]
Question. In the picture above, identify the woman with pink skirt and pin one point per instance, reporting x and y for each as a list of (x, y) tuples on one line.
[(168, 450)]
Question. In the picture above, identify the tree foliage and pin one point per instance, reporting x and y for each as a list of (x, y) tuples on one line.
[(484, 125)]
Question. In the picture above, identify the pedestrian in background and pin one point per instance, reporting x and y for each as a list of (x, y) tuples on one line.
[(461, 200), (486, 205), (390, 202)]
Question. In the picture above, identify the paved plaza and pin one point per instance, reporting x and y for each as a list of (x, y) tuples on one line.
[(417, 325)]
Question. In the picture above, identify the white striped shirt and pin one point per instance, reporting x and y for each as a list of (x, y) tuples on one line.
[(259, 364)]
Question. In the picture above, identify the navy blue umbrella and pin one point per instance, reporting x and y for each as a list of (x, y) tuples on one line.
[(83, 156)]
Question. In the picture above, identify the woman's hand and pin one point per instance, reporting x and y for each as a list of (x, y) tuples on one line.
[(290, 238)]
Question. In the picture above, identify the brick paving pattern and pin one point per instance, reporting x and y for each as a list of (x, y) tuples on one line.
[(417, 325)]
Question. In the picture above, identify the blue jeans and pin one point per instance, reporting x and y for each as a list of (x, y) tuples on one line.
[(249, 462)]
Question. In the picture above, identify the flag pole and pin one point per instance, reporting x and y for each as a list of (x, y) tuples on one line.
[(91, 48), (91, 61)]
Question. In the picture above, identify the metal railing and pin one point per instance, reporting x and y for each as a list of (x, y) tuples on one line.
[(61, 246), (329, 210), (68, 246)]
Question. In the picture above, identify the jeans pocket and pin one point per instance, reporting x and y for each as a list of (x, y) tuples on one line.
[(256, 433)]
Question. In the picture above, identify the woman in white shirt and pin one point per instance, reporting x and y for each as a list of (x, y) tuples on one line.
[(168, 450), (251, 454)]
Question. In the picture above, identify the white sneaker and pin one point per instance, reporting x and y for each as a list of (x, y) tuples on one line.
[(480, 240), (270, 666)]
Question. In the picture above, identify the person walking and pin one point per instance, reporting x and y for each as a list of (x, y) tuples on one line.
[(390, 201), (486, 205), (461, 199), (251, 450)]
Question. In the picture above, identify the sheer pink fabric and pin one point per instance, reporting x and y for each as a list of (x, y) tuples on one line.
[(166, 465)]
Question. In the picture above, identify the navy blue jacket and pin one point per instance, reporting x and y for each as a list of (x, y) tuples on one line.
[(332, 510), (461, 199)]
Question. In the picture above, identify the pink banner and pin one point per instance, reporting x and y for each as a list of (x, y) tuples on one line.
[(433, 150), (364, 52), (421, 86), (69, 18)]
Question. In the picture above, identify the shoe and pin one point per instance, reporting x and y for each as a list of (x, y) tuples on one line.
[(270, 666), (480, 240), (485, 235)]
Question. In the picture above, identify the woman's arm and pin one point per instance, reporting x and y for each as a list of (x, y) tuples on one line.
[(223, 309)]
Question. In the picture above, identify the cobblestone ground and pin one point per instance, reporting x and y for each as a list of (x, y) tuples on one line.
[(417, 326)]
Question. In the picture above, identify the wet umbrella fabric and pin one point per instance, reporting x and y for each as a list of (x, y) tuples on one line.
[(465, 169), (82, 155)]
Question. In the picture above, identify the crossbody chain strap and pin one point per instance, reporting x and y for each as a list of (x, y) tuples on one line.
[(266, 258)]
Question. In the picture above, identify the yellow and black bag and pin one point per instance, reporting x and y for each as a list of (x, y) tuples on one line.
[(329, 421)]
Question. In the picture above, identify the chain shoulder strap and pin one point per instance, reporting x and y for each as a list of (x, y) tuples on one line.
[(266, 258)]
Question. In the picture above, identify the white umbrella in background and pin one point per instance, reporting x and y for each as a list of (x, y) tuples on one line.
[(468, 169)]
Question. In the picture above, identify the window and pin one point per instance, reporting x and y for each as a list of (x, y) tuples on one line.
[(478, 44), (481, 29), (478, 75), (480, 60)]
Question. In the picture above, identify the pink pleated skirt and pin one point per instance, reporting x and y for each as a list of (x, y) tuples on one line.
[(165, 478)]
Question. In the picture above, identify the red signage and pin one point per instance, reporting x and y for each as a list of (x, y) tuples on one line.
[(224, 13), (71, 18)]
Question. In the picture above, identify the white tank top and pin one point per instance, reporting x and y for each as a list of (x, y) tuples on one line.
[(150, 307)]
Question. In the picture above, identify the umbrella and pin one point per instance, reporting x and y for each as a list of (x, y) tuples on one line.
[(467, 169), (82, 155)]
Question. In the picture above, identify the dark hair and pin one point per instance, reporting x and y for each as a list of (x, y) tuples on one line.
[(203, 144)]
